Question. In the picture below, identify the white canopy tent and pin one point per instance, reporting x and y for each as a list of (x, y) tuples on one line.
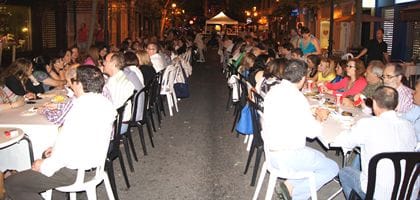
[(221, 19)]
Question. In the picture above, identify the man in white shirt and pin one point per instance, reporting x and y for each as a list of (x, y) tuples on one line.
[(82, 143), (385, 132), (287, 122), (393, 74), (117, 85), (158, 61)]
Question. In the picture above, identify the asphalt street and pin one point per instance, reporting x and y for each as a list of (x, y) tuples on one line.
[(196, 156)]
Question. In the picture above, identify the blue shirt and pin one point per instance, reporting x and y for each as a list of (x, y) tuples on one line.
[(413, 116)]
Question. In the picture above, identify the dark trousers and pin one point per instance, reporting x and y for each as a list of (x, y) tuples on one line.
[(27, 185)]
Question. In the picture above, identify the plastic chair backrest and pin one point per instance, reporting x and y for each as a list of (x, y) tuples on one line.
[(403, 184)]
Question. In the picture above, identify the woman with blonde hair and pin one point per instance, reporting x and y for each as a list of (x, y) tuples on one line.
[(246, 64), (146, 67), (353, 83), (326, 72)]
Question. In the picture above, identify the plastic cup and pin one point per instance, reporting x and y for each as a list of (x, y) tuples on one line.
[(310, 85), (338, 99)]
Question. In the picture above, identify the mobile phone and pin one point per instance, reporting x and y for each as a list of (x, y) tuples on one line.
[(30, 102)]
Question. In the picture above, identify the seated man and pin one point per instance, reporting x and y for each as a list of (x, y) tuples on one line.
[(393, 74), (82, 143), (413, 115), (288, 120), (385, 132)]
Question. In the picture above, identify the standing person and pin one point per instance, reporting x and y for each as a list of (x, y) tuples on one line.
[(99, 36), (385, 132), (82, 37), (90, 118), (308, 43), (294, 38), (198, 41), (376, 49), (285, 111)]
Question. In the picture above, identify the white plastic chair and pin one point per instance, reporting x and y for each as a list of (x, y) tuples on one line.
[(89, 186), (167, 88), (286, 174)]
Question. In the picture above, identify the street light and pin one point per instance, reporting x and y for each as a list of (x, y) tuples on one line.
[(173, 5)]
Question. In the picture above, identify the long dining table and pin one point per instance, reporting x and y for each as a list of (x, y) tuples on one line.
[(41, 132)]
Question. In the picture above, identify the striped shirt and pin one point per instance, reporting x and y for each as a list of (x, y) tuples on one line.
[(405, 99), (120, 89)]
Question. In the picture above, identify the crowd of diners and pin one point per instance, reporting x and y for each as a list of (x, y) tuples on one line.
[(98, 81), (279, 70)]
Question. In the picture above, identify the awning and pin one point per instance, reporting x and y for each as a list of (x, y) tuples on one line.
[(221, 19)]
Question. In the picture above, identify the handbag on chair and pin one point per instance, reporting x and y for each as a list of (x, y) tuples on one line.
[(244, 125), (182, 90)]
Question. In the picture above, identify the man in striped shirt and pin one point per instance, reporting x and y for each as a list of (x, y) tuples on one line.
[(392, 76)]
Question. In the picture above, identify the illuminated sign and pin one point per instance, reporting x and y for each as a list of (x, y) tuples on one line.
[(369, 3)]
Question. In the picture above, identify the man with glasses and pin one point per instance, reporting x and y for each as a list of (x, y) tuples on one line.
[(393, 74), (384, 132), (82, 143)]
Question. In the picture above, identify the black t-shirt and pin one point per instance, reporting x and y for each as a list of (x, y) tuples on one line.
[(376, 50), (15, 85), (148, 72)]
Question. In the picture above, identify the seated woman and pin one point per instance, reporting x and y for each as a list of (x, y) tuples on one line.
[(353, 83), (18, 78), (340, 71), (313, 61), (8, 100), (273, 74), (146, 67), (52, 75), (246, 64), (326, 72)]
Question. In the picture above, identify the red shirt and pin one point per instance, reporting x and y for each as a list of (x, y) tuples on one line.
[(358, 86)]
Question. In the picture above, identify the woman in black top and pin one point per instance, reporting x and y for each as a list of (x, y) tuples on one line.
[(18, 78), (145, 65)]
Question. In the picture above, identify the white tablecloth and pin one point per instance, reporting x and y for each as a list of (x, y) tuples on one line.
[(333, 126), (40, 131)]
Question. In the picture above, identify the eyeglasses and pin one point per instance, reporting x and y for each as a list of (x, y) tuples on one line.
[(151, 49), (388, 76), (73, 80)]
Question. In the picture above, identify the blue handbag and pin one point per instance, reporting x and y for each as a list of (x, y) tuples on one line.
[(182, 90), (244, 125)]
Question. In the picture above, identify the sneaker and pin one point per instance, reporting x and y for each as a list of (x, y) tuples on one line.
[(283, 192)]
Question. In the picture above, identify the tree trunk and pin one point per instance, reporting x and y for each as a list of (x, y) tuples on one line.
[(92, 23), (163, 19)]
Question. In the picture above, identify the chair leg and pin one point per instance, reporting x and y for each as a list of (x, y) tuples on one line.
[(110, 170), (91, 193), (256, 165), (270, 188), (150, 113), (260, 181), (73, 196), (131, 143), (108, 187), (142, 141), (159, 116), (162, 108), (124, 171), (237, 115), (250, 154), (127, 153), (170, 104), (149, 131)]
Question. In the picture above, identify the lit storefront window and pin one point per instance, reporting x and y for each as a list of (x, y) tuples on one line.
[(15, 27)]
